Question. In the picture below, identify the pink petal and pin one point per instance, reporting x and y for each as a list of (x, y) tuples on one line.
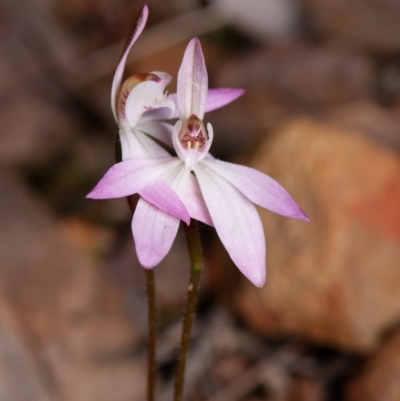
[(136, 30), (237, 223), (259, 188), (159, 194), (186, 186), (195, 204), (220, 97), (216, 98), (177, 179), (130, 176), (154, 232), (192, 82)]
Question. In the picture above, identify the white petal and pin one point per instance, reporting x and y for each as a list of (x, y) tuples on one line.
[(192, 82), (142, 97), (165, 77), (237, 223), (177, 179), (137, 145), (157, 129)]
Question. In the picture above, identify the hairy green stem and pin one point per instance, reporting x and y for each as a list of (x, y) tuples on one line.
[(152, 334), (152, 321), (196, 259)]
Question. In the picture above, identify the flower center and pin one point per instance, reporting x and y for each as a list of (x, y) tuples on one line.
[(193, 135)]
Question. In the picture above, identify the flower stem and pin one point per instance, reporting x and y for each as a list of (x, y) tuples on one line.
[(152, 334), (194, 246), (152, 321)]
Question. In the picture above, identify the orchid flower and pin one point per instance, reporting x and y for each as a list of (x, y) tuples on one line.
[(217, 193), (129, 101), (140, 105)]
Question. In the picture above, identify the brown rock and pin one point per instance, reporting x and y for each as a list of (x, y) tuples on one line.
[(306, 389), (73, 325), (379, 380), (371, 118), (334, 280)]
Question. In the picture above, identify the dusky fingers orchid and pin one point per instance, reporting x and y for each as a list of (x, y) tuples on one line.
[(139, 106), (229, 190), (217, 193), (130, 101)]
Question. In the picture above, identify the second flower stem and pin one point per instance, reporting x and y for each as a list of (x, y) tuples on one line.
[(196, 259), (152, 335), (152, 318)]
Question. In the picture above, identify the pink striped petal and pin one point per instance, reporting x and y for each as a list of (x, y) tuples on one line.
[(154, 232), (258, 187), (130, 176), (237, 223), (136, 30), (192, 82), (194, 202), (216, 98), (177, 179), (220, 97), (159, 194), (186, 186)]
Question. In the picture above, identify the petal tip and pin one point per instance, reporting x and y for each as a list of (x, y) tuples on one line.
[(186, 219), (301, 215), (258, 281), (147, 260), (195, 41), (256, 276), (93, 194), (146, 267)]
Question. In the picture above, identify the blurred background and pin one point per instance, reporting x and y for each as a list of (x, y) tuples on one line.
[(321, 114)]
